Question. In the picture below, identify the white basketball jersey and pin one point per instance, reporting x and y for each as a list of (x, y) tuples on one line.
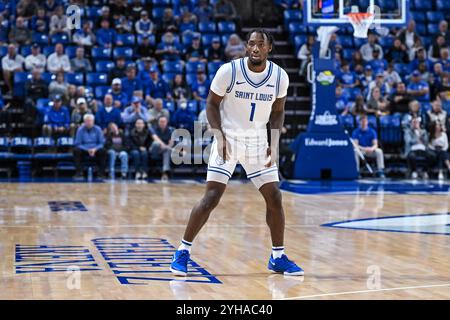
[(248, 97)]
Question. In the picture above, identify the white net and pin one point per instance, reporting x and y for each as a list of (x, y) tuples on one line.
[(361, 22)]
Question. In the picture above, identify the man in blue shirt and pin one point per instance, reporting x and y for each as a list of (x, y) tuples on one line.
[(131, 82), (183, 118), (366, 141), (89, 142), (120, 98), (157, 88), (418, 88), (57, 119), (108, 113), (378, 64), (347, 78), (200, 87), (134, 112), (105, 35), (168, 50)]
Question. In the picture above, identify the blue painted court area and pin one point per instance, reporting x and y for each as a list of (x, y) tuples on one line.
[(367, 187)]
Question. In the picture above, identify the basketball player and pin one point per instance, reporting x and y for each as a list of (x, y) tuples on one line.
[(246, 94)]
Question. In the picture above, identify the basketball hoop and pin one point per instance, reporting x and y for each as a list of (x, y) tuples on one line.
[(361, 22)]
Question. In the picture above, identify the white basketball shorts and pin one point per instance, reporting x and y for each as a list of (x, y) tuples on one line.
[(253, 159)]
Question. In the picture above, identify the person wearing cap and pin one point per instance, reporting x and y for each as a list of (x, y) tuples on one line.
[(215, 51), (108, 113), (35, 60), (131, 82), (195, 51), (347, 78), (367, 77), (57, 119), (167, 49), (156, 87), (367, 49), (89, 143), (144, 73), (134, 112), (144, 26), (418, 89), (120, 99), (105, 14), (80, 63), (58, 60), (200, 86), (377, 63), (78, 115), (120, 69), (36, 87), (106, 36), (12, 62)]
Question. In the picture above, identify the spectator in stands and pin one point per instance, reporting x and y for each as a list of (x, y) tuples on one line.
[(200, 87), (36, 87), (187, 21), (76, 120), (399, 99), (168, 50), (89, 96), (145, 49), (11, 63), (437, 114), (444, 59), (58, 22), (342, 104), (224, 10), (359, 106), (357, 63), (59, 86), (4, 29), (26, 8), (397, 53), (117, 146), (57, 119), (367, 77), (35, 60), (425, 75), (85, 37), (119, 97), (235, 48), (135, 9), (421, 57), (443, 90), (80, 63), (182, 5), (89, 142), (134, 112), (140, 140), (144, 26), (20, 34), (413, 112), (443, 31), (72, 97), (377, 63), (437, 147), (368, 48), (108, 113), (168, 21), (157, 87), (347, 78), (144, 73), (118, 8), (180, 89), (50, 6), (106, 36), (215, 51), (381, 84), (58, 60), (408, 36), (391, 76), (366, 140), (434, 52), (377, 104), (131, 84), (203, 11), (162, 144), (416, 142), (305, 53), (105, 14), (183, 118), (120, 69), (418, 88), (124, 25), (195, 51), (157, 112)]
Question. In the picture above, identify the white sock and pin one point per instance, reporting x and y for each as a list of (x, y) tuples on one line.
[(185, 245), (277, 252)]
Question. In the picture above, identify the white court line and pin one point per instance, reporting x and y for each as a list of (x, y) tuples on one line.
[(365, 291), (159, 226)]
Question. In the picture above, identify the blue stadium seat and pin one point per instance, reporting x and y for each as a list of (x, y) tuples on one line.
[(207, 27), (347, 54), (192, 106), (40, 38), (127, 39), (391, 130), (207, 39), (214, 66), (76, 78), (299, 40), (59, 38), (347, 121), (173, 67), (157, 13), (359, 42), (19, 82), (71, 51), (169, 105), (442, 4), (161, 3), (168, 77), (201, 105), (65, 142), (48, 50), (432, 28), (187, 27), (96, 78), (25, 51), (100, 53), (191, 67), (4, 143), (151, 38), (346, 41), (421, 29), (435, 16), (41, 146), (42, 103), (126, 52), (187, 38), (297, 28), (386, 42), (3, 51), (104, 66), (190, 78), (419, 16), (224, 38), (22, 145), (93, 12), (292, 15), (48, 77), (101, 91), (423, 5), (226, 27)]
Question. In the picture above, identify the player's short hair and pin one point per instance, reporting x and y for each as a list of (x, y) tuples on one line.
[(266, 34)]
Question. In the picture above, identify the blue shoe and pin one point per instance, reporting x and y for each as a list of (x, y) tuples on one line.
[(285, 266), (179, 263)]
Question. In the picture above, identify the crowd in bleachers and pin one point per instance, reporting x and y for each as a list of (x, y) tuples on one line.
[(400, 80), (135, 66)]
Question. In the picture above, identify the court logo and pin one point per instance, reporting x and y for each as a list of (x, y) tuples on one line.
[(326, 78), (57, 206), (326, 119)]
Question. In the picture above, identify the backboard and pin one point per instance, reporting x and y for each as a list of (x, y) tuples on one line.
[(333, 12)]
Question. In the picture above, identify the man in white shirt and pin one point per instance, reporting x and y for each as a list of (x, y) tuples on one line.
[(11, 63), (367, 49), (58, 61), (36, 60)]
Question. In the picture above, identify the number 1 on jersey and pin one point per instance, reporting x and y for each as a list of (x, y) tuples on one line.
[(252, 113)]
